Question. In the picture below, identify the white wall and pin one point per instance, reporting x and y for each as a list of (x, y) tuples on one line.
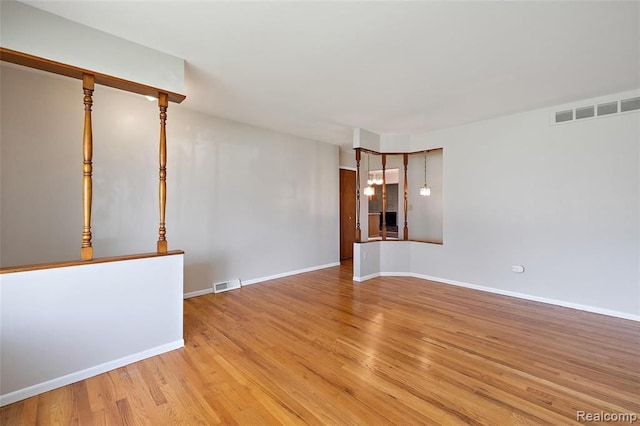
[(61, 325), (366, 260), (562, 200), (36, 32), (348, 158), (395, 143), (365, 139), (395, 256), (243, 202)]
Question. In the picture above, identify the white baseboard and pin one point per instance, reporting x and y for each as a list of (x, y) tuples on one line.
[(39, 388), (366, 277), (382, 274), (197, 293), (396, 274), (562, 303), (286, 274), (259, 280), (586, 308)]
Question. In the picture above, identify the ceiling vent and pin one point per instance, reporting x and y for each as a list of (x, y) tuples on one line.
[(598, 110)]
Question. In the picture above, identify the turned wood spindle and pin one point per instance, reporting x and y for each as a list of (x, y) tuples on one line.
[(88, 84), (384, 197), (163, 104), (358, 231), (406, 197)]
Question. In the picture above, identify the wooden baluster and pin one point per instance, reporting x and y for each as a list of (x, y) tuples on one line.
[(163, 103), (358, 231), (88, 84), (384, 197), (406, 197)]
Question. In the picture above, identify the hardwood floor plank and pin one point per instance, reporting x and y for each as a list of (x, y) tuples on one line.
[(44, 410), (13, 415), (317, 348), (82, 413)]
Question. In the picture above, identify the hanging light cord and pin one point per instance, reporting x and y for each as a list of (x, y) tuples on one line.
[(425, 168)]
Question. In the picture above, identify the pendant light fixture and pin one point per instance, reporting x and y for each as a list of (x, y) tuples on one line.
[(425, 190), (369, 190), (378, 180)]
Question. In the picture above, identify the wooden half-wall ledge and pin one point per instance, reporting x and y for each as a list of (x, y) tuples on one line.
[(393, 240), (67, 263)]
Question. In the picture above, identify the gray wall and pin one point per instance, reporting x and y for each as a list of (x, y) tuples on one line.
[(243, 202)]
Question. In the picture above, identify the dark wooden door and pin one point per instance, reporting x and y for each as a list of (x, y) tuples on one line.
[(347, 213)]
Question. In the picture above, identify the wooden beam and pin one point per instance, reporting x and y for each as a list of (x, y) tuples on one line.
[(422, 151), (43, 64)]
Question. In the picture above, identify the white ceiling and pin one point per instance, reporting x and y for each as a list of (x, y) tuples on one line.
[(320, 69)]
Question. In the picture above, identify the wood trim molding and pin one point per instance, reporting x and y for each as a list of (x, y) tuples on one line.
[(422, 151), (48, 65), (379, 240), (66, 263)]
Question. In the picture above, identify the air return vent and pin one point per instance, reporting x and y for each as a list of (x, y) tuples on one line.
[(564, 116), (226, 286), (608, 108), (599, 110), (585, 112), (630, 104)]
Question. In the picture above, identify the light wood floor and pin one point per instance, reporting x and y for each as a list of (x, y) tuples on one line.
[(319, 349)]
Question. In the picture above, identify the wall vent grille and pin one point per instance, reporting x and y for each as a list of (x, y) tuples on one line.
[(632, 104), (585, 112), (598, 110), (226, 286), (607, 108), (564, 116)]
